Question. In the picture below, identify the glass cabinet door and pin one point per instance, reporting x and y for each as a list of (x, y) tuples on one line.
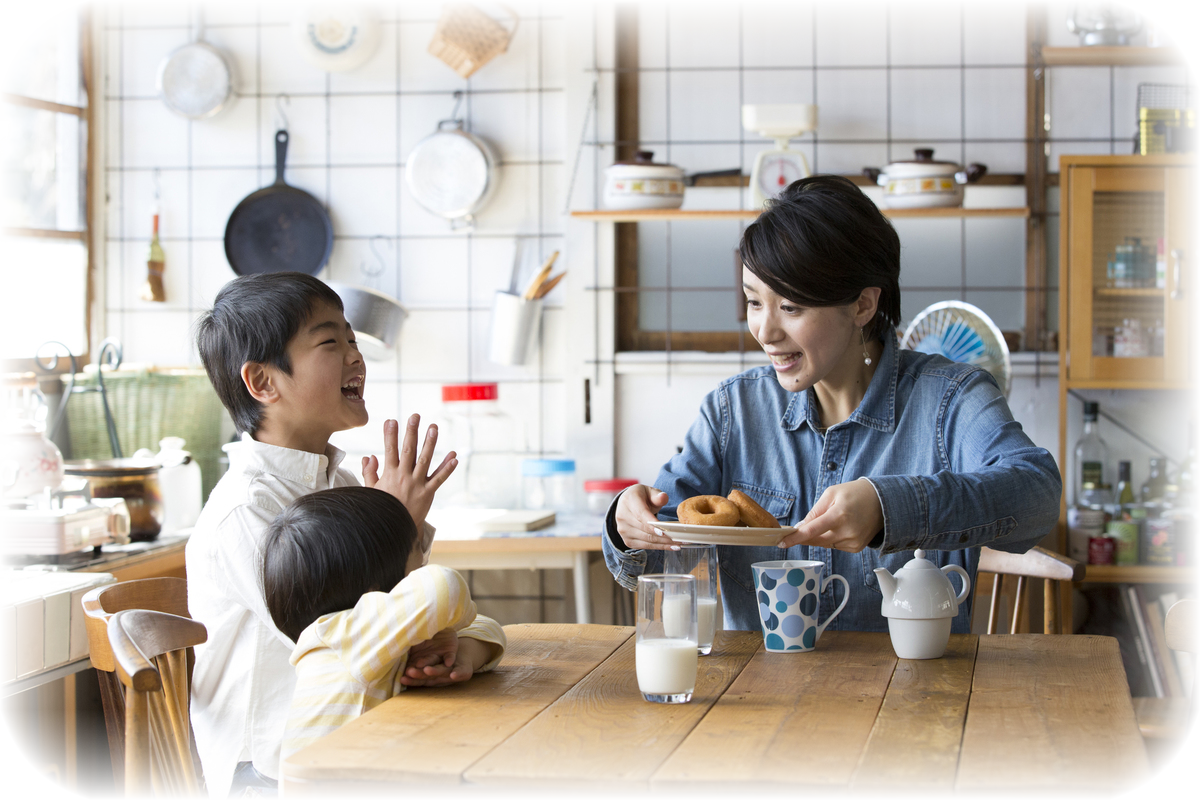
[(1127, 254)]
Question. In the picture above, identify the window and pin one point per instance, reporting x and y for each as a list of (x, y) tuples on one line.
[(45, 117)]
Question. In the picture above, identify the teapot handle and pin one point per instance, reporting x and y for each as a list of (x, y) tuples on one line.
[(966, 580)]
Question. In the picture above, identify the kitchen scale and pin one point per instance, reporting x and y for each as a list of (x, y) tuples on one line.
[(775, 169)]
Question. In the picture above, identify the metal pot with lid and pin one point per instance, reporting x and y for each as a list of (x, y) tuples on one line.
[(640, 184), (135, 480), (924, 182)]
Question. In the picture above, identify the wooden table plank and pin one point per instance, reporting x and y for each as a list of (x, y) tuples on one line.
[(435, 734), (788, 710), (1050, 712), (603, 732), (916, 738)]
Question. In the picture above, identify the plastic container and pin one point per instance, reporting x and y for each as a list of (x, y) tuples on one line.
[(600, 494), (487, 441), (182, 485), (548, 483)]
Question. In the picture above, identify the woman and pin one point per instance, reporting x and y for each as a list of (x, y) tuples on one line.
[(871, 450)]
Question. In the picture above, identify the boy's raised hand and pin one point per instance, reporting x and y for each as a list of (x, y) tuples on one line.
[(405, 474)]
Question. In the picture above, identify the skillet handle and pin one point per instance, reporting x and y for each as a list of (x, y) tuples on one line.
[(281, 143)]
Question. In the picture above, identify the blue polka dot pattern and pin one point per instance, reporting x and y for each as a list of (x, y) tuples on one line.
[(781, 606), (810, 585), (792, 626), (767, 581), (810, 638), (787, 593), (795, 577), (773, 642), (764, 599), (808, 604)]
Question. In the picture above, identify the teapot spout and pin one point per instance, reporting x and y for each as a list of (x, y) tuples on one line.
[(887, 583)]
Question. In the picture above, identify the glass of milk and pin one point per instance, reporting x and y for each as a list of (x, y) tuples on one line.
[(667, 653), (699, 561)]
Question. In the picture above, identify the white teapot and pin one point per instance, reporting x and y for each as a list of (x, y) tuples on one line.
[(40, 461), (919, 603)]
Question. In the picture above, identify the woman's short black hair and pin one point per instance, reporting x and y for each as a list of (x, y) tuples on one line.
[(823, 241), (253, 319), (329, 548)]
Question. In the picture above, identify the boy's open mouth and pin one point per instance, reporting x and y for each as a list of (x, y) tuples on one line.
[(353, 388)]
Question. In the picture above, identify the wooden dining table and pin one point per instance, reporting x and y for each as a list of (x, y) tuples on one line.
[(1006, 712)]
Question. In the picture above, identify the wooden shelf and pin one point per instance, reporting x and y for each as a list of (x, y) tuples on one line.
[(1130, 292), (1127, 383), (1105, 573), (1111, 56), (677, 215)]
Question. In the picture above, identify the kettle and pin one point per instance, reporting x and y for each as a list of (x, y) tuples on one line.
[(919, 603)]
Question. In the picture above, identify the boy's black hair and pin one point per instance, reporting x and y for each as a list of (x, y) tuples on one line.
[(329, 548), (253, 319), (823, 241)]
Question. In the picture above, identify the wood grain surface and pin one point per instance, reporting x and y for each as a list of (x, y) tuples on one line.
[(787, 710), (603, 732), (917, 734), (435, 734), (1050, 712)]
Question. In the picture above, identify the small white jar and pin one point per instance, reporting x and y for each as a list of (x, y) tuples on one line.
[(600, 494), (548, 483)]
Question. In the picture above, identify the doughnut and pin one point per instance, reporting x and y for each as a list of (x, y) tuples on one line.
[(751, 513), (708, 509)]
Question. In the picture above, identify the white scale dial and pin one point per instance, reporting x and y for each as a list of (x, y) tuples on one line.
[(774, 171)]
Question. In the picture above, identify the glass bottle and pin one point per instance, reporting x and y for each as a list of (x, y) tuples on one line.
[(1125, 496), (1156, 485), (1187, 469), (1091, 453)]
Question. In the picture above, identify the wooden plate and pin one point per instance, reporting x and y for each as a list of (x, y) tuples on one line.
[(718, 534)]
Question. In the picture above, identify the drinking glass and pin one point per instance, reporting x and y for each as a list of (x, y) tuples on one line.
[(667, 654), (699, 561)]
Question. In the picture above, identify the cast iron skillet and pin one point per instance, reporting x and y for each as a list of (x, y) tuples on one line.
[(279, 228)]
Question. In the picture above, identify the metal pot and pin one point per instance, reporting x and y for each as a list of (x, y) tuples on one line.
[(923, 182), (451, 173), (375, 318), (641, 183), (135, 480)]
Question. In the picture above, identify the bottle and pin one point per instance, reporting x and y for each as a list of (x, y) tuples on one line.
[(153, 290), (1187, 470), (182, 485), (1091, 453), (1156, 485), (1125, 495)]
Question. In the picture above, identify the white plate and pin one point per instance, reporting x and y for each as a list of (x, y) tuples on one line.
[(720, 534)]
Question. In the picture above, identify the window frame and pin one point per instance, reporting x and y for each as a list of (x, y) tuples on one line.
[(86, 115)]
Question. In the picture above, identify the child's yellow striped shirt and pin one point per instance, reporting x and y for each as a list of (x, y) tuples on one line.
[(351, 661)]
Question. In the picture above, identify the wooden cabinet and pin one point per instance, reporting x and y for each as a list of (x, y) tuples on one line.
[(1126, 288)]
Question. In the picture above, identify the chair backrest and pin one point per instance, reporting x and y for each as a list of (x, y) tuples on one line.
[(168, 595), (150, 650), (1053, 568), (1182, 629)]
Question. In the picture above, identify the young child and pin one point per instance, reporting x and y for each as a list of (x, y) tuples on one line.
[(343, 577), (283, 360)]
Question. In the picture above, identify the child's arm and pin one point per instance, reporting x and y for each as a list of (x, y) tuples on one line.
[(405, 474), (454, 657), (377, 633)]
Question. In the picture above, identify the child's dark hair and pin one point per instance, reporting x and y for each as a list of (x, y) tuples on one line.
[(253, 319), (823, 241), (329, 548)]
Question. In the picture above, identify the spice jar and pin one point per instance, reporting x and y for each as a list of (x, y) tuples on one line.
[(600, 494), (135, 480), (548, 483)]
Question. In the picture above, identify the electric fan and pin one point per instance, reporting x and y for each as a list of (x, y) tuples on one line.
[(963, 333)]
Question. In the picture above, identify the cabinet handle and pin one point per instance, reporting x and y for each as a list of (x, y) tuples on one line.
[(1177, 292)]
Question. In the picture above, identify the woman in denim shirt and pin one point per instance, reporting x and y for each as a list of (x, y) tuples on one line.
[(871, 450)]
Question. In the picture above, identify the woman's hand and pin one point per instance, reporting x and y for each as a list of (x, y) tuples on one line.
[(637, 519), (846, 517), (405, 474)]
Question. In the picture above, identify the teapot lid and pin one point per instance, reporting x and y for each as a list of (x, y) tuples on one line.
[(922, 591), (16, 425)]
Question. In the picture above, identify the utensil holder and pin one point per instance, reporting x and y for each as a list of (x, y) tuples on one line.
[(514, 328), (466, 38)]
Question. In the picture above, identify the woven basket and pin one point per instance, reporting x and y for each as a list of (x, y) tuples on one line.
[(466, 38), (148, 405)]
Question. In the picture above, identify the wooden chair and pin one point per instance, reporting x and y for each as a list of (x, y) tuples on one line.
[(1183, 633), (168, 595), (1053, 568), (1165, 720), (151, 652)]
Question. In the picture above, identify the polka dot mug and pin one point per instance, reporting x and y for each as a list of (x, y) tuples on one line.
[(789, 597)]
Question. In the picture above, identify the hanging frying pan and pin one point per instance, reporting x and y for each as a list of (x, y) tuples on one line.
[(279, 228)]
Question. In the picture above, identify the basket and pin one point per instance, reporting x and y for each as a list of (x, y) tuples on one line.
[(466, 38), (147, 405), (1166, 118)]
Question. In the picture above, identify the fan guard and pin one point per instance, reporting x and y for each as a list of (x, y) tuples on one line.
[(961, 332)]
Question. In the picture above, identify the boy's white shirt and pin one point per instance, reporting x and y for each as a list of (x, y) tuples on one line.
[(243, 680)]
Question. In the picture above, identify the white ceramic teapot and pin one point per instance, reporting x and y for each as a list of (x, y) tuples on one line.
[(40, 461), (919, 603)]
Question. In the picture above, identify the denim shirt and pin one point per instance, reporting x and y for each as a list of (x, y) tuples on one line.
[(953, 471)]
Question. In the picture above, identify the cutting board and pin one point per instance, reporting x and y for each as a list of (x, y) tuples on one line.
[(525, 520)]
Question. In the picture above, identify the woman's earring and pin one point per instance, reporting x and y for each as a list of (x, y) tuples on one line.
[(866, 355)]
